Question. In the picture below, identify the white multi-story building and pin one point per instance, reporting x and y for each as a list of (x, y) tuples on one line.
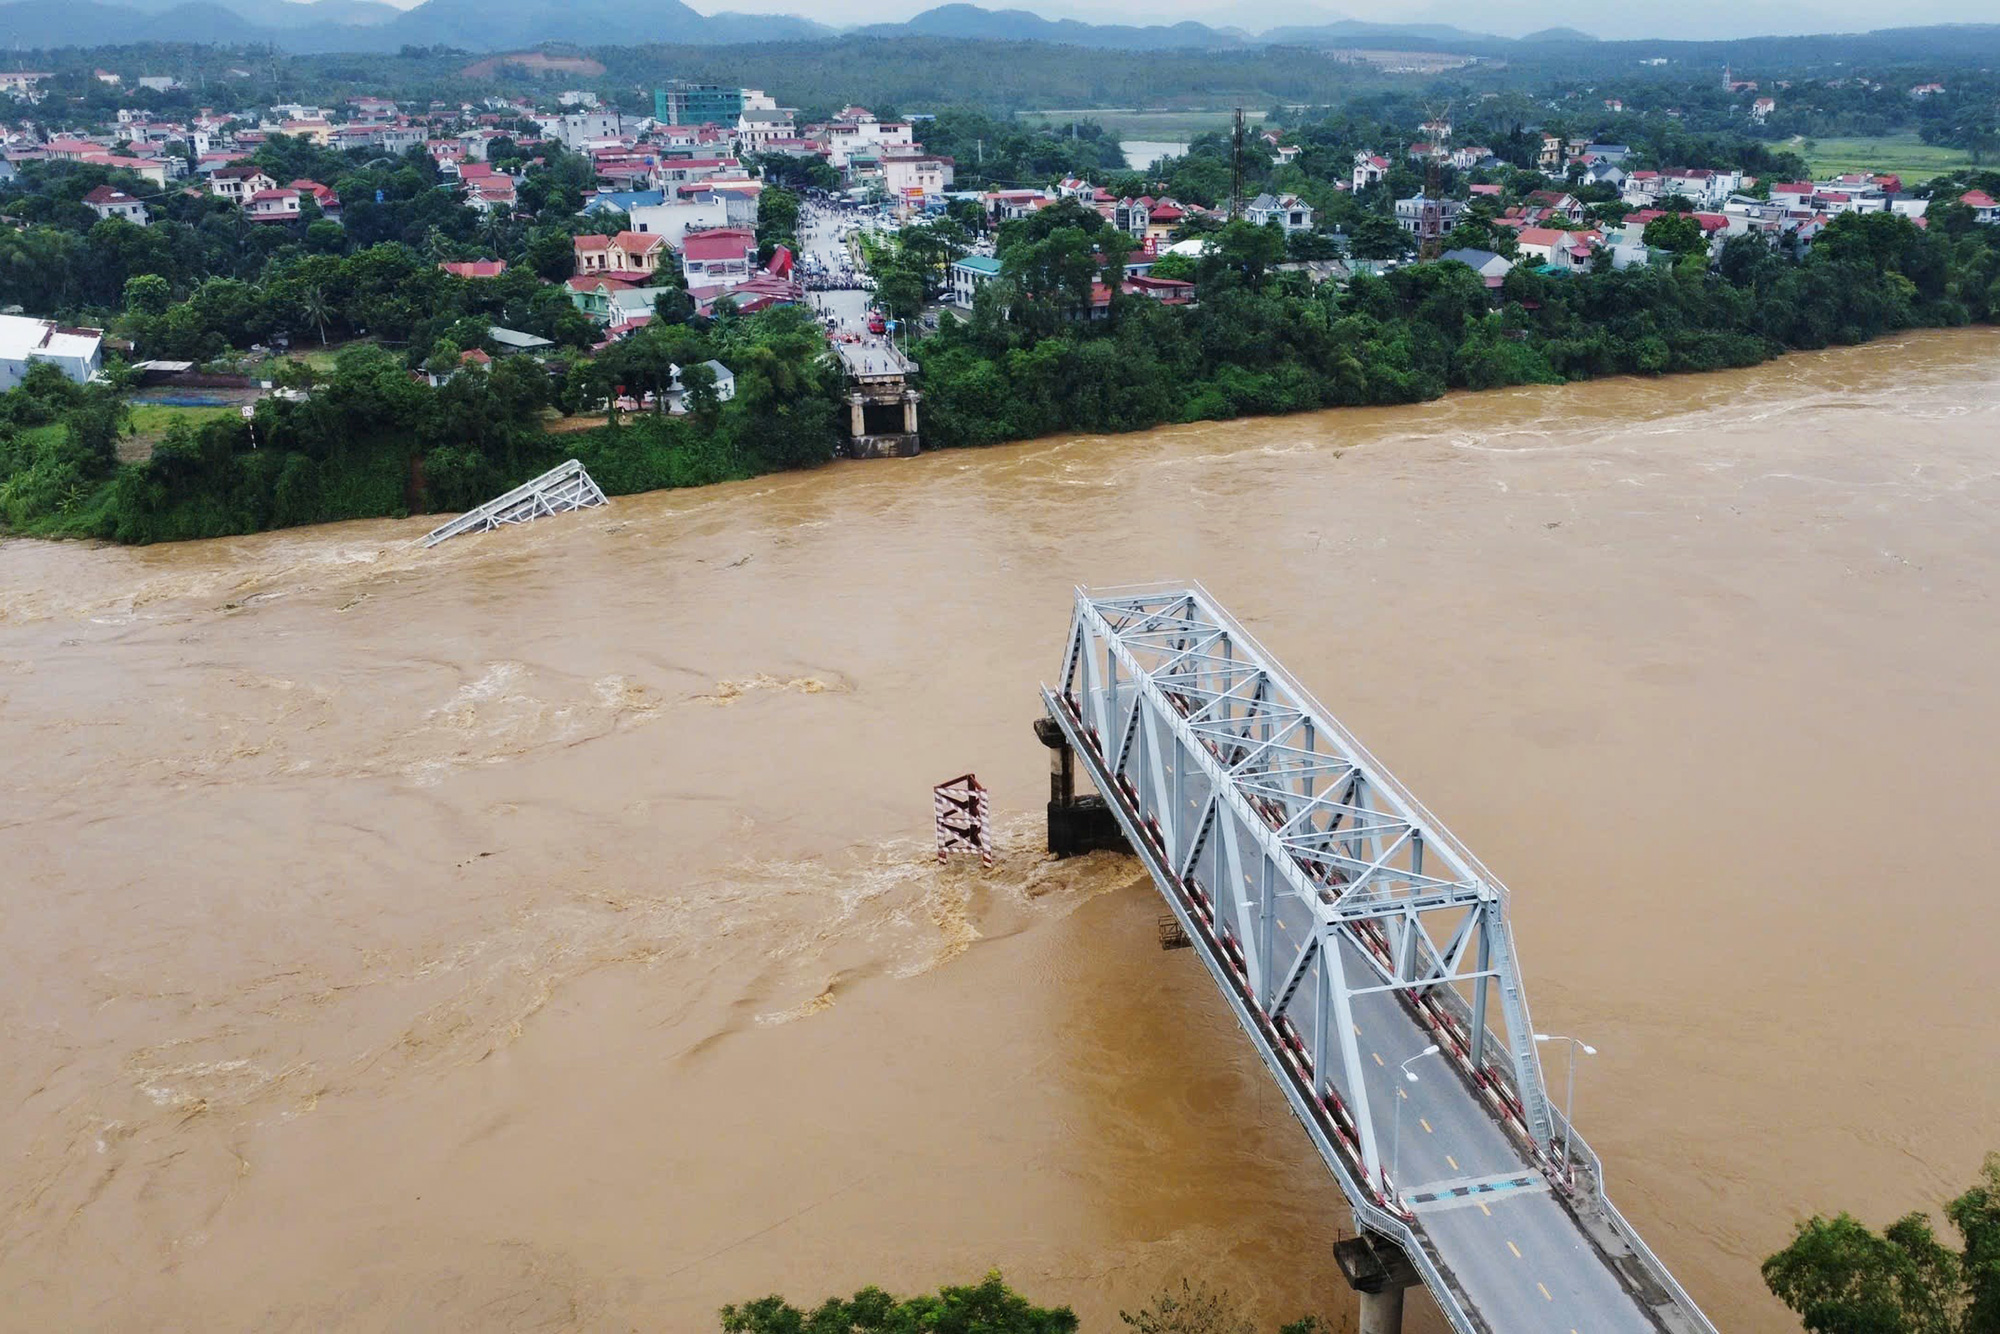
[(24, 341)]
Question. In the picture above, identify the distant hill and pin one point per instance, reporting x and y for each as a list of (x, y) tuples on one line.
[(1355, 32), (1018, 25), (483, 26)]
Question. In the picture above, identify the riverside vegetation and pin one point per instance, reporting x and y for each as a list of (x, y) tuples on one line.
[(1837, 1275), (368, 439)]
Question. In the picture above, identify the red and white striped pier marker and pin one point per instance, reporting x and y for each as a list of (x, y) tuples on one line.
[(962, 823)]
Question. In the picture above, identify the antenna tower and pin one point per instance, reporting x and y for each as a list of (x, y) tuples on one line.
[(1236, 168)]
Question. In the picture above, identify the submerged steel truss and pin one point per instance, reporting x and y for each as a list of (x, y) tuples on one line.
[(1310, 879), (564, 487)]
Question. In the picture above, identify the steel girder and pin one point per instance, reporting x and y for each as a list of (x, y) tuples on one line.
[(562, 488), (1319, 876)]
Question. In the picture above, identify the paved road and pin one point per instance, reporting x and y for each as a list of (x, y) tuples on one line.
[(1516, 1253), (822, 239)]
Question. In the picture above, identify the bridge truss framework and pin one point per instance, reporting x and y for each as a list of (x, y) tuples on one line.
[(1249, 802)]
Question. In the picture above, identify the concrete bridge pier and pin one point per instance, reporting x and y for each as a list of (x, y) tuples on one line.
[(1077, 824), (1380, 1274)]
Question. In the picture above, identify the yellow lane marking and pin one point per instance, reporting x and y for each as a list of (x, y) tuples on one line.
[(1357, 1030), (1377, 1055), (1545, 1293), (1516, 1249), (1482, 1205), (1402, 1095), (1426, 1125), (1454, 1167)]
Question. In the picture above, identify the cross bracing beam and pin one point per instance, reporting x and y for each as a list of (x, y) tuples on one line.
[(1315, 888)]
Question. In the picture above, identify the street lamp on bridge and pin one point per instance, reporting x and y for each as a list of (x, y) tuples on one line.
[(1569, 1102), (1396, 1139)]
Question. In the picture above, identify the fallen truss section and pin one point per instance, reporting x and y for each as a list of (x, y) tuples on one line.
[(564, 487)]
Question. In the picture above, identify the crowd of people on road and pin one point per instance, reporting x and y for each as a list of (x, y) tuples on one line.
[(830, 223)]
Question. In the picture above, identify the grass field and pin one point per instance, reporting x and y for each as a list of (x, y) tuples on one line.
[(150, 422), (1132, 123), (1904, 155)]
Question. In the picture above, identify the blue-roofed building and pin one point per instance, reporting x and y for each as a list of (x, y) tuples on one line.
[(622, 201), (970, 274)]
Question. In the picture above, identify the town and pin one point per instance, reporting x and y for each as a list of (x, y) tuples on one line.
[(595, 263)]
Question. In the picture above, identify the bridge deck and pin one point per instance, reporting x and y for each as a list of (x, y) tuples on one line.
[(1313, 887)]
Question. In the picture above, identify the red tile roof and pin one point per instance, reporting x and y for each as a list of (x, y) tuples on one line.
[(724, 243)]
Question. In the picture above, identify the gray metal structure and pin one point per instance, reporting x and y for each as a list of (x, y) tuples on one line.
[(564, 487), (1349, 932)]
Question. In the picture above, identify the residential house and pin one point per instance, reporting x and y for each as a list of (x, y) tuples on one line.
[(1558, 204), (511, 341), (274, 205), (1006, 205), (324, 196), (725, 386), (1984, 210), (629, 256), (474, 268), (970, 274), (106, 202), (1492, 268), (1761, 109), (1565, 251), (845, 137), (492, 194), (1288, 211), (76, 352), (757, 127), (1369, 169), (1147, 218), (674, 218), (916, 176), (1604, 173), (239, 183), (725, 256), (1427, 219), (592, 294)]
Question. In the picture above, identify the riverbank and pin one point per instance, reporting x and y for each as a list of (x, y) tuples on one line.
[(1259, 343)]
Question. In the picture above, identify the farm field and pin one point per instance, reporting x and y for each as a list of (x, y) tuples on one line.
[(1903, 155)]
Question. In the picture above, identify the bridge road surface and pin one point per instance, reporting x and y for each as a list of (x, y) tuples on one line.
[(1522, 1262)]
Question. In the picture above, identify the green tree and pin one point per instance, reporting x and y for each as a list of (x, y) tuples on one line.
[(1842, 1278), (1677, 232), (148, 294), (989, 1307)]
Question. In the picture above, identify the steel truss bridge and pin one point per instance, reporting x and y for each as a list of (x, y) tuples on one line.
[(1368, 956)]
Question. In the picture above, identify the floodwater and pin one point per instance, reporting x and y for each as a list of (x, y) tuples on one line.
[(540, 932), (1141, 154)]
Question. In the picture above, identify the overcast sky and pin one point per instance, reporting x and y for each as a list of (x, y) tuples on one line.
[(1509, 18)]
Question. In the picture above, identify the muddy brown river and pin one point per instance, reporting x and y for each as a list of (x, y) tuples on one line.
[(541, 933)]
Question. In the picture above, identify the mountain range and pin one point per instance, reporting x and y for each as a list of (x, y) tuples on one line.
[(364, 26), (498, 25)]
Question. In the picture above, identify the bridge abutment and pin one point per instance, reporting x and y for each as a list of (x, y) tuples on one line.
[(1380, 1274), (1077, 824)]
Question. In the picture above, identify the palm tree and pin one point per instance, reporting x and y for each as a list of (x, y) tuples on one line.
[(316, 308)]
